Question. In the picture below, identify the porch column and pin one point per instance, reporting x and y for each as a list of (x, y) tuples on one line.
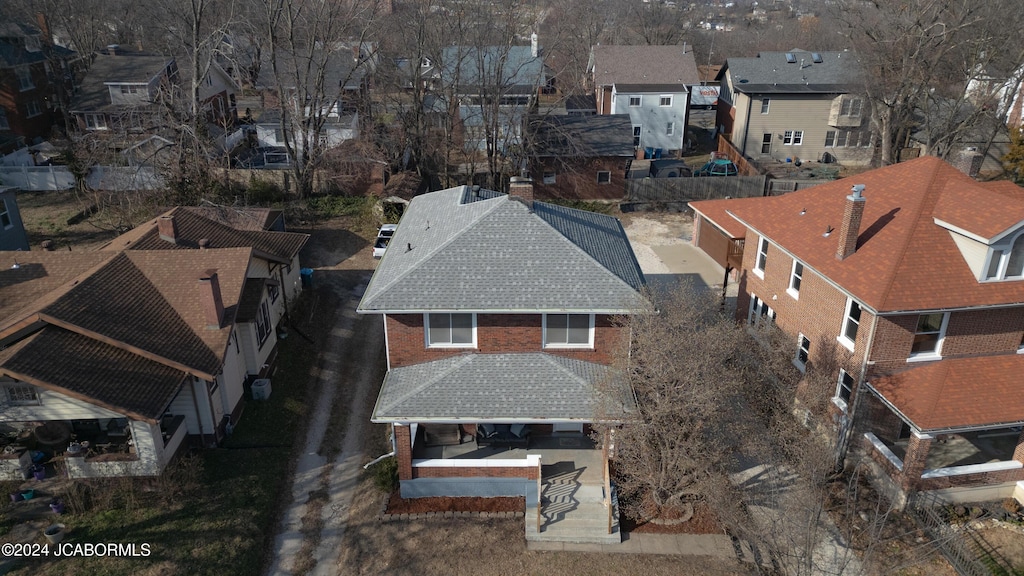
[(1018, 452), (403, 451), (918, 447)]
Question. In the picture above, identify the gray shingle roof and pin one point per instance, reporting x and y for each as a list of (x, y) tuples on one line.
[(584, 136), (514, 68), (770, 72), (495, 387), (643, 65), (497, 255), (94, 94)]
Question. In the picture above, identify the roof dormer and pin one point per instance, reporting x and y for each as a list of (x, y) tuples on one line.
[(986, 221)]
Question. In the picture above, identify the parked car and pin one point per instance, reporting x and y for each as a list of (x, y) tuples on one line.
[(718, 167), (664, 168), (383, 237)]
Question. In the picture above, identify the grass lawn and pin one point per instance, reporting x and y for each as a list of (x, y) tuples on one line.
[(212, 512)]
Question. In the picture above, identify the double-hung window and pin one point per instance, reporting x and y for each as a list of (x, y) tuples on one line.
[(665, 101), (803, 352), (451, 330), (762, 257), (568, 330), (670, 127), (931, 328), (760, 312), (851, 323), (634, 101), (765, 103), (796, 276), (1007, 264), (844, 390), (24, 78), (263, 323)]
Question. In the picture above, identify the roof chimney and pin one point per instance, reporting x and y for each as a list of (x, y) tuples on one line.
[(213, 304), (47, 245), (113, 49), (969, 161), (168, 229), (850, 226), (521, 188), (204, 243), (44, 28)]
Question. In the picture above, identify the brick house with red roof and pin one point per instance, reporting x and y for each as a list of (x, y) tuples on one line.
[(112, 360), (910, 278)]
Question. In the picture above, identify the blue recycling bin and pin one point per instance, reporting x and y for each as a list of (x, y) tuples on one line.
[(307, 277)]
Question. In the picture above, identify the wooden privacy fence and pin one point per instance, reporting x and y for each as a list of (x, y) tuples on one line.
[(689, 189)]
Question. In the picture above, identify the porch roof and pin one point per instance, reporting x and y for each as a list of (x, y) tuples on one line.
[(497, 387), (959, 393)]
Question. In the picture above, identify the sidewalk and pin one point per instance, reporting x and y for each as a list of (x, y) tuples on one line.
[(716, 545)]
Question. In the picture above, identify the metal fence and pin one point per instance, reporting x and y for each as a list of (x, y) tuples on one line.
[(960, 546)]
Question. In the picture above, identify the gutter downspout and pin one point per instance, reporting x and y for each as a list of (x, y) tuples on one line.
[(394, 450), (846, 429), (746, 126)]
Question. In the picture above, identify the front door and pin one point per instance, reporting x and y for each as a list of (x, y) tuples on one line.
[(766, 143), (567, 427)]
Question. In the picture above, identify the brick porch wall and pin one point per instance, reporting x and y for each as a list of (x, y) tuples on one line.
[(527, 472), (496, 334)]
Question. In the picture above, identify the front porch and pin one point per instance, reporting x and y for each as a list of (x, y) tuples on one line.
[(563, 475)]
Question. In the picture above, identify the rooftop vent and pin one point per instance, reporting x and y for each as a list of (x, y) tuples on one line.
[(790, 58), (816, 58)]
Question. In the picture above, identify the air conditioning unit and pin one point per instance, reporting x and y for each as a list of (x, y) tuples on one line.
[(261, 389)]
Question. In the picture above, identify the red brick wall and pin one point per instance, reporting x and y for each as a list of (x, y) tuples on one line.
[(496, 333), (403, 452), (967, 333), (818, 313), (578, 181)]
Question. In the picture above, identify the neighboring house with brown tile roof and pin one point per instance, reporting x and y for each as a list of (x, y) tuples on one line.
[(155, 344), (913, 284), (651, 85)]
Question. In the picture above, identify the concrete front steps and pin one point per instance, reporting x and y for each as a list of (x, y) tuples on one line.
[(573, 512)]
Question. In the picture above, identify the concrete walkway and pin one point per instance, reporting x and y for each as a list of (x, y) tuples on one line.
[(313, 471), (715, 545)]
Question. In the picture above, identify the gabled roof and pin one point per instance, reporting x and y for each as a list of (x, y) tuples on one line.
[(94, 92), (520, 387), (770, 72), (456, 250), (668, 66), (150, 302), (514, 68), (583, 136), (193, 227), (94, 372), (716, 212), (120, 330), (331, 71), (958, 393), (254, 218), (904, 260)]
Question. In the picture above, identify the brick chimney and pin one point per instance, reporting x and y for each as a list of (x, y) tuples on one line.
[(850, 226), (969, 161), (213, 304), (168, 229), (44, 28), (521, 188)]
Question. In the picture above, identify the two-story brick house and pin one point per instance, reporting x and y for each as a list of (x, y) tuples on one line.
[(499, 320), (32, 70), (913, 284)]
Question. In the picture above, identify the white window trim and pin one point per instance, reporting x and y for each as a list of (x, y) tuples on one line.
[(1006, 247), (28, 109), (639, 101), (27, 76), (544, 336), (670, 128), (800, 365), (765, 105), (755, 320), (663, 97), (842, 339), (758, 264), (837, 398), (426, 332), (798, 137), (795, 292), (937, 354), (5, 213)]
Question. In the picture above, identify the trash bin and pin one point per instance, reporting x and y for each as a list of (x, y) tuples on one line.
[(261, 389), (307, 277)]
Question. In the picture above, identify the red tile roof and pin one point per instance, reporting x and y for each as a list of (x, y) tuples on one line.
[(904, 261), (715, 211), (960, 392)]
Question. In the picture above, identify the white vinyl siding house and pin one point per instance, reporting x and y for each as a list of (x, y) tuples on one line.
[(653, 113)]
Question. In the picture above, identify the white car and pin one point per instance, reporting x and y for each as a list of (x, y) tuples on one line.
[(383, 237)]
